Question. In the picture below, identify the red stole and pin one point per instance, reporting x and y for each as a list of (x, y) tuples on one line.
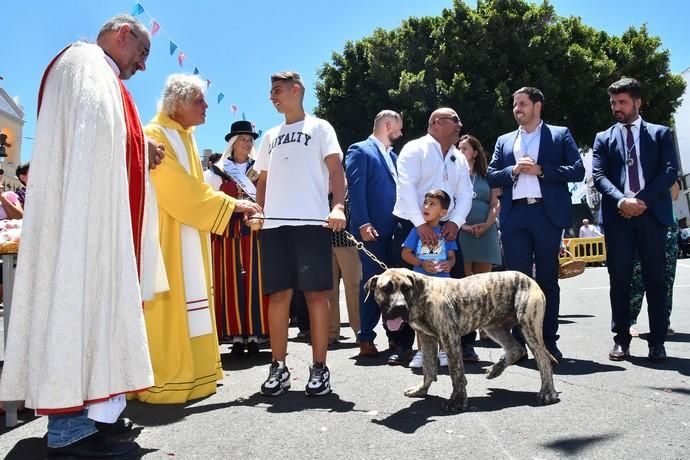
[(136, 169)]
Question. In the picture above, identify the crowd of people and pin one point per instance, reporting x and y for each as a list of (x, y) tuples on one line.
[(147, 268)]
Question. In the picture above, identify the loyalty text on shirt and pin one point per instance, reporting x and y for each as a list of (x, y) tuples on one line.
[(288, 138)]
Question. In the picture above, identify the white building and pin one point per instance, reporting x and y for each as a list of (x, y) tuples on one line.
[(11, 124)]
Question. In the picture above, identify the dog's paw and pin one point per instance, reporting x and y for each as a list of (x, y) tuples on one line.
[(417, 391), (454, 406), (496, 370), (545, 398)]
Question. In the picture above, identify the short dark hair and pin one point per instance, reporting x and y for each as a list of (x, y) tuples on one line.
[(290, 76), (22, 170), (626, 85), (441, 196), (535, 95)]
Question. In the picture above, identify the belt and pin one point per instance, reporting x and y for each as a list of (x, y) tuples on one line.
[(527, 201)]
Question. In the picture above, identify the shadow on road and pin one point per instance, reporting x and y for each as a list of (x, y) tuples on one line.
[(421, 411), (569, 366), (292, 401), (672, 363), (35, 449), (576, 445)]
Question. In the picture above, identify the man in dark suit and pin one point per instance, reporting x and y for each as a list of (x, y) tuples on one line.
[(370, 166), (634, 165), (533, 166)]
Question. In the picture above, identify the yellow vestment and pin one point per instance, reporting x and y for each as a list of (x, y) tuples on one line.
[(184, 367)]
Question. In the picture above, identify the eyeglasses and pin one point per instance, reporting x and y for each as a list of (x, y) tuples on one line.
[(145, 49), (454, 118)]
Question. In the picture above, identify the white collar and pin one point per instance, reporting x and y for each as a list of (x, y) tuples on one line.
[(380, 145), (635, 124), (112, 64), (523, 132)]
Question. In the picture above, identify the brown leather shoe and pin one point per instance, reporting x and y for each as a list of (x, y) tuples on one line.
[(619, 352), (367, 350)]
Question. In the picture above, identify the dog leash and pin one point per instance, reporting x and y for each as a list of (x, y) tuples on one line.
[(358, 244)]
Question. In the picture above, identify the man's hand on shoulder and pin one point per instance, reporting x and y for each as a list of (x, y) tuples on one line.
[(427, 234), (449, 231)]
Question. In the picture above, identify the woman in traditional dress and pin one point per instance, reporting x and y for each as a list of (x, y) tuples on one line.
[(241, 308), (180, 323)]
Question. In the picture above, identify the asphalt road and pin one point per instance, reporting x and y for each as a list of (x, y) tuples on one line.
[(608, 410)]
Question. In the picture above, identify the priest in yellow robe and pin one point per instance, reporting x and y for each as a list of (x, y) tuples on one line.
[(180, 323)]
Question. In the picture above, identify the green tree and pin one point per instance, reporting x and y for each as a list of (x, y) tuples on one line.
[(472, 59)]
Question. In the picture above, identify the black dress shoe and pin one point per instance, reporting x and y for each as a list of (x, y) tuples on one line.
[(120, 427), (657, 353), (95, 446), (619, 352), (237, 350), (252, 349)]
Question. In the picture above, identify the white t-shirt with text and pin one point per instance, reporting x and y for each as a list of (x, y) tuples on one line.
[(294, 155)]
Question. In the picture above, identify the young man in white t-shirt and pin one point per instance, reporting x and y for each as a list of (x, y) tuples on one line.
[(296, 162)]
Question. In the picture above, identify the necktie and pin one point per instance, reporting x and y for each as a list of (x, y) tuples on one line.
[(633, 178)]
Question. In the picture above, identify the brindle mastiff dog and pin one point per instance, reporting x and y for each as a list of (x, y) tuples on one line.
[(444, 309)]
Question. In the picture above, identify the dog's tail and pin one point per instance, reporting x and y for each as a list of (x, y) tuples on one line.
[(536, 306)]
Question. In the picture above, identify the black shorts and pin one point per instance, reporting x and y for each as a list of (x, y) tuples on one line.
[(296, 257)]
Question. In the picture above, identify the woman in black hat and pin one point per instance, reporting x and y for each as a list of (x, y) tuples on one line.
[(241, 308)]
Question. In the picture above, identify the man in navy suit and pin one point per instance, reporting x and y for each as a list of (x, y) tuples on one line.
[(370, 166), (533, 166), (634, 165)]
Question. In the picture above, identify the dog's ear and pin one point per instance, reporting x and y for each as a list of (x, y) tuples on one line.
[(370, 285)]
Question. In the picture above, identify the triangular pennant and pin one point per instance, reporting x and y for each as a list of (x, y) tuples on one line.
[(196, 71), (220, 97), (260, 132), (233, 109), (155, 27), (181, 57), (173, 47), (243, 117), (208, 83), (137, 9)]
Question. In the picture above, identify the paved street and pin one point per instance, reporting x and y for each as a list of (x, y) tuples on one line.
[(630, 409)]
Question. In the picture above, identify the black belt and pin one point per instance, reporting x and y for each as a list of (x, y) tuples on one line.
[(527, 201)]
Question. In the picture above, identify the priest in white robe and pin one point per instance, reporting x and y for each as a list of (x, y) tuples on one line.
[(77, 338)]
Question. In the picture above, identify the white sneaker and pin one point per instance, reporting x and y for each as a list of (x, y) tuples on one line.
[(442, 359), (417, 360)]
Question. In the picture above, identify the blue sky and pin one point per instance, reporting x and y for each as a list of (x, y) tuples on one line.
[(237, 45)]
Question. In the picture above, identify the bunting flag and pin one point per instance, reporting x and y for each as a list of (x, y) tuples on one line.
[(260, 132), (155, 27), (137, 9)]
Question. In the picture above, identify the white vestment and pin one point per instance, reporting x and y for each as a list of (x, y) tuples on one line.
[(77, 332)]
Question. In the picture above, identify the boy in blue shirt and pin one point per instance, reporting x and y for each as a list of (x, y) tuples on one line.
[(432, 261)]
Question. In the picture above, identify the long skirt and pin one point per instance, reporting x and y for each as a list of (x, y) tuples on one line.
[(241, 308)]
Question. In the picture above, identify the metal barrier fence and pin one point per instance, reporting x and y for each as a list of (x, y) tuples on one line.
[(585, 249)]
